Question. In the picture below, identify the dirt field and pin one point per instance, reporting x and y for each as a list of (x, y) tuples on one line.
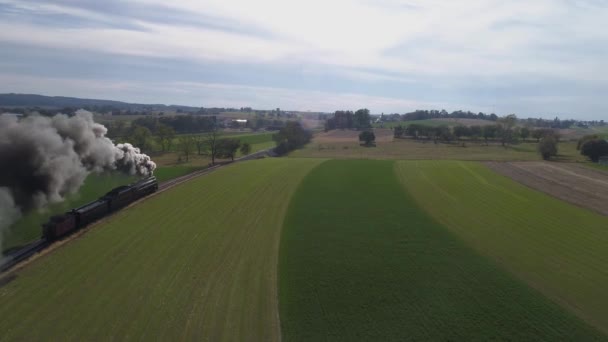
[(570, 182)]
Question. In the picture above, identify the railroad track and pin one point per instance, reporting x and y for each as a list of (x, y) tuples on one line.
[(22, 254), (173, 182), (11, 260)]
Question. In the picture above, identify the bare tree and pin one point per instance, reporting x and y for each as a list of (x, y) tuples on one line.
[(186, 145), (211, 144), (200, 141), (164, 136)]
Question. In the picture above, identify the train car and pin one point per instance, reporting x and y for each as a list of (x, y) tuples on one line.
[(120, 197), (146, 186), (59, 226), (125, 195), (91, 212), (62, 225)]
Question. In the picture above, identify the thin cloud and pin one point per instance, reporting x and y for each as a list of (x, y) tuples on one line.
[(368, 43)]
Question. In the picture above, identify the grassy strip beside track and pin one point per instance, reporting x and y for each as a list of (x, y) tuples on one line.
[(197, 262), (360, 261), (555, 247), (29, 229)]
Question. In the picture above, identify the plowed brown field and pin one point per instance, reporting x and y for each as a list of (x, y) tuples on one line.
[(570, 182)]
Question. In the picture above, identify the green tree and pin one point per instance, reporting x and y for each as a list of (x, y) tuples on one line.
[(594, 149), (362, 119), (541, 132), (245, 148), (164, 136), (398, 131), (524, 133), (586, 138), (507, 125), (462, 131), (547, 147), (368, 138), (290, 137), (226, 148), (489, 132), (476, 131), (141, 137)]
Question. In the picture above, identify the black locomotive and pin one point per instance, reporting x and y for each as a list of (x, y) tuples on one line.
[(62, 225)]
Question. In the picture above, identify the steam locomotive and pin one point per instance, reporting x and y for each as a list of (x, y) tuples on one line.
[(62, 225)]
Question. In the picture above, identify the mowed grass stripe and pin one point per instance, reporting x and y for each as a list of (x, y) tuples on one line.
[(197, 262), (360, 261), (555, 247)]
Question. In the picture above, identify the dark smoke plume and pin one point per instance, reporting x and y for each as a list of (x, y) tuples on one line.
[(44, 159)]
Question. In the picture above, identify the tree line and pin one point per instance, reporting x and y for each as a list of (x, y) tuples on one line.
[(346, 119), (506, 132), (211, 144), (459, 114), (291, 137), (437, 114)]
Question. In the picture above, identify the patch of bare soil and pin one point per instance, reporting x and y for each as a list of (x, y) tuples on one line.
[(569, 182)]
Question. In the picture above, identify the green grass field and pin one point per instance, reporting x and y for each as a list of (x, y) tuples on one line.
[(360, 261), (411, 149), (195, 263), (251, 138), (165, 173), (555, 247)]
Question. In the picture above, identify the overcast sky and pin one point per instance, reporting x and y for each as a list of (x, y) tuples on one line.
[(533, 58)]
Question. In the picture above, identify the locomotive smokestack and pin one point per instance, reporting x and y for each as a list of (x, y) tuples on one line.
[(44, 159)]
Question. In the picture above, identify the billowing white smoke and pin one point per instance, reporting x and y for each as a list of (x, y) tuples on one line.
[(43, 159), (9, 213)]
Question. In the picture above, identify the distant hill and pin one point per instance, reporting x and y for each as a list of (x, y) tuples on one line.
[(49, 102)]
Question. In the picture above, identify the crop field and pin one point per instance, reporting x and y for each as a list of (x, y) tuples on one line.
[(346, 135), (412, 149), (338, 144), (359, 260), (197, 262), (555, 247), (315, 249)]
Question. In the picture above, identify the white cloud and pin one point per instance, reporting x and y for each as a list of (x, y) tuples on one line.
[(410, 41), (216, 94), (437, 37)]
